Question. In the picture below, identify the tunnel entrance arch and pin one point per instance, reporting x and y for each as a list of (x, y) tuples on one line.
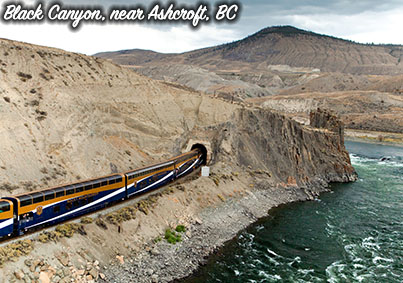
[(203, 150)]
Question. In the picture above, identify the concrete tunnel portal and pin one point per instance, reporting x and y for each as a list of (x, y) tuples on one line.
[(203, 150)]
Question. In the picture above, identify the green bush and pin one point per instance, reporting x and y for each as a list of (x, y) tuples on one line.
[(180, 228), (172, 237)]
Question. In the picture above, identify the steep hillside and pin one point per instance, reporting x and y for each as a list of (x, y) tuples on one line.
[(67, 116)]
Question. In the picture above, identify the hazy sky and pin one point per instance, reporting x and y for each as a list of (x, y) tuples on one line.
[(362, 21)]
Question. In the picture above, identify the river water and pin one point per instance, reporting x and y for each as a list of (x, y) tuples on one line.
[(352, 234)]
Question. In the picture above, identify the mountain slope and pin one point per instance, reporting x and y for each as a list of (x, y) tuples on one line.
[(284, 45), (67, 116)]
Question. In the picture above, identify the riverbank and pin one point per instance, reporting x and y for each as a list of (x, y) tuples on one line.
[(374, 137), (161, 261)]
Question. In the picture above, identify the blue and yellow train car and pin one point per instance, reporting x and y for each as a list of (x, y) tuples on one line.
[(151, 177), (187, 162), (64, 202), (148, 178), (6, 217), (32, 210)]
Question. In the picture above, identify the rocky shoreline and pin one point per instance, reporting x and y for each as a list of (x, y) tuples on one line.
[(164, 262)]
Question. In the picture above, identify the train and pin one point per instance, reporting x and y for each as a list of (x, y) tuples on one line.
[(37, 209)]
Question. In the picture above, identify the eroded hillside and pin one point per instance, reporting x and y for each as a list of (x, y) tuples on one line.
[(67, 116)]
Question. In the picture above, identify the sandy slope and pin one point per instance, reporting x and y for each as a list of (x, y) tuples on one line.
[(67, 116)]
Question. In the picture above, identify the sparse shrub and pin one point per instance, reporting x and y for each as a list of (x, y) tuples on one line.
[(45, 236), (14, 250), (123, 214), (86, 220), (41, 114), (28, 185), (180, 228), (221, 197), (172, 237), (68, 229), (101, 223), (34, 102), (144, 206), (24, 77), (8, 187), (215, 179)]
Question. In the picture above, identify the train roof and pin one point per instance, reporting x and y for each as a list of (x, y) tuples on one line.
[(21, 196), (156, 165)]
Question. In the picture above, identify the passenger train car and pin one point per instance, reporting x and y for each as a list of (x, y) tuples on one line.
[(22, 212)]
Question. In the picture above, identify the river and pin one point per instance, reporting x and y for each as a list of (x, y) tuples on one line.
[(352, 234)]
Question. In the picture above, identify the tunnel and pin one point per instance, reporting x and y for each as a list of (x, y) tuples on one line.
[(203, 150)]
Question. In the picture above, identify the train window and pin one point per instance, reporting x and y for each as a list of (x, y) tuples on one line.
[(56, 209), (4, 206), (69, 190), (75, 203), (104, 183), (37, 197), (25, 200), (59, 192), (111, 181), (96, 185), (83, 202), (90, 199), (118, 180), (69, 205), (79, 189), (88, 187), (49, 195)]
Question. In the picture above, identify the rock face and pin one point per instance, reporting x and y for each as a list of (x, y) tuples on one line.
[(325, 119), (294, 154)]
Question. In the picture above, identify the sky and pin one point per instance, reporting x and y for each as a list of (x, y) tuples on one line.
[(365, 21)]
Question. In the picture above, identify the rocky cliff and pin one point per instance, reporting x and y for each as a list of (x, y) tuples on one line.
[(293, 154)]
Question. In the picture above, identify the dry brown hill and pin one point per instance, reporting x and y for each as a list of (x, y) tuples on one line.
[(66, 116), (283, 45), (361, 82)]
